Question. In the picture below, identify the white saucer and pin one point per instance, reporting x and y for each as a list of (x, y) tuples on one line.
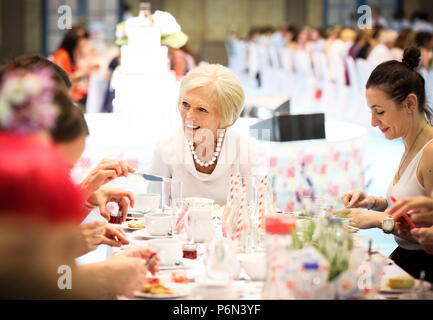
[(137, 213), (173, 267), (144, 233)]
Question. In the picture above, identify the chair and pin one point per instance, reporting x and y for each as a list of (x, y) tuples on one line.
[(305, 82), (324, 81)]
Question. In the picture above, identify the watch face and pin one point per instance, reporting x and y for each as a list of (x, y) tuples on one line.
[(388, 224)]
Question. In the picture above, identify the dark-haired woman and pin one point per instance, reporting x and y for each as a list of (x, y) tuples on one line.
[(34, 62), (74, 57), (396, 98)]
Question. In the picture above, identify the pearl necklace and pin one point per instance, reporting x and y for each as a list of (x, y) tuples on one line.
[(215, 154)]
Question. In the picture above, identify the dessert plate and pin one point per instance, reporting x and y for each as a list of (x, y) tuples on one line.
[(384, 288), (180, 291)]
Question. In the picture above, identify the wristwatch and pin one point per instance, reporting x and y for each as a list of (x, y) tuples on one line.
[(388, 224)]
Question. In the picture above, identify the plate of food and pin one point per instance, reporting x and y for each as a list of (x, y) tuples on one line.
[(134, 224), (401, 284), (156, 289)]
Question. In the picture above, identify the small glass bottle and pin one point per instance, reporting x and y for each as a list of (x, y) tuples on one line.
[(278, 242)]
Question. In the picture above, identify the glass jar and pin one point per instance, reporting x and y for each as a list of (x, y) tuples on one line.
[(278, 242)]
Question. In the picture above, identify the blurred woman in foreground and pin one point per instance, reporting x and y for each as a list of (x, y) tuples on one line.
[(36, 191)]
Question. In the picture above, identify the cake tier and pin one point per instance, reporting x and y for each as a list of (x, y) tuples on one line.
[(144, 60), (142, 36)]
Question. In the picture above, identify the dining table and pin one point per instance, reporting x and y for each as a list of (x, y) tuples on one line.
[(242, 287)]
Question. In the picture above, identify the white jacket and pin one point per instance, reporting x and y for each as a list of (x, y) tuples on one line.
[(240, 154)]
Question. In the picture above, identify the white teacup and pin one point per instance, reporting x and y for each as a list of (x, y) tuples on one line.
[(146, 202), (169, 250), (254, 265), (213, 290), (158, 224)]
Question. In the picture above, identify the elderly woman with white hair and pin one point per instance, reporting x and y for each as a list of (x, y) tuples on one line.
[(207, 149)]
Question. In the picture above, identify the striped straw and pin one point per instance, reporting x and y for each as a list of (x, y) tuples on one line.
[(261, 208), (241, 223)]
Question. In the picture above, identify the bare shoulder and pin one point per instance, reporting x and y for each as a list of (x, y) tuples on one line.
[(427, 155), (426, 162)]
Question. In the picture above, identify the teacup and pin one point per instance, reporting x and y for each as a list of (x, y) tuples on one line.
[(146, 202), (158, 224), (254, 265), (169, 250), (213, 290)]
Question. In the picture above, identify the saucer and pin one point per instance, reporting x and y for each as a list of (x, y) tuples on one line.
[(144, 233), (172, 267)]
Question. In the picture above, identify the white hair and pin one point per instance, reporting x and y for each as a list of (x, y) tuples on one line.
[(228, 89)]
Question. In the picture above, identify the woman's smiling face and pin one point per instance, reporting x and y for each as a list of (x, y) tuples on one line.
[(391, 119), (199, 112)]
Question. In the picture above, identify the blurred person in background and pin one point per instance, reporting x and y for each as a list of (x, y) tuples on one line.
[(378, 20), (301, 39), (317, 37), (291, 34), (76, 58), (372, 41), (421, 22), (332, 35), (126, 12), (403, 40), (399, 22), (360, 40), (341, 45), (265, 35), (181, 60), (278, 38), (381, 52)]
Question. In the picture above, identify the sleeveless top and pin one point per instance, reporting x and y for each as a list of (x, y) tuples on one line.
[(408, 186)]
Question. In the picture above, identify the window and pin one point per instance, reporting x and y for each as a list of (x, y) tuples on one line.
[(98, 16), (344, 12)]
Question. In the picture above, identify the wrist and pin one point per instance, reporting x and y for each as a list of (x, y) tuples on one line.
[(86, 188), (380, 204), (372, 203), (90, 205), (380, 217)]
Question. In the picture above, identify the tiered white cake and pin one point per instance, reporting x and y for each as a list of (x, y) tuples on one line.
[(145, 89), (144, 53)]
